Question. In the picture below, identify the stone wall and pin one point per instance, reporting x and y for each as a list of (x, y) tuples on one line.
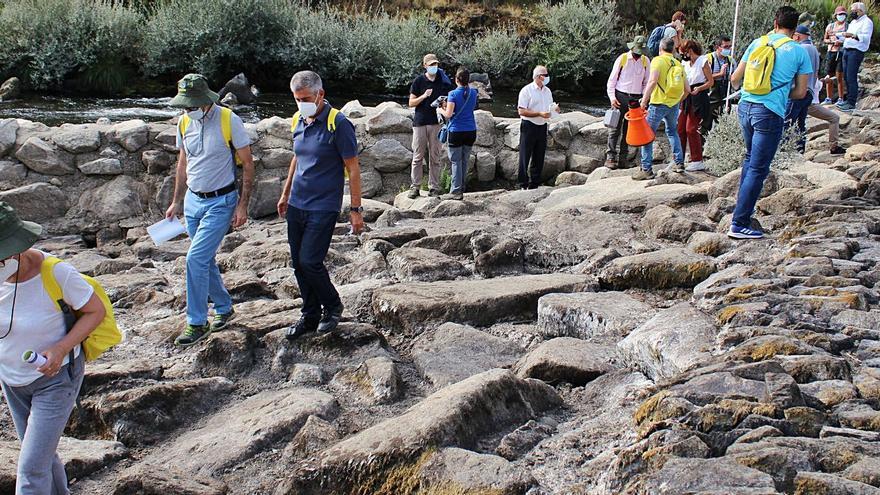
[(109, 177)]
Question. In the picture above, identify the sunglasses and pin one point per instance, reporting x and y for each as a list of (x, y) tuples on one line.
[(543, 75)]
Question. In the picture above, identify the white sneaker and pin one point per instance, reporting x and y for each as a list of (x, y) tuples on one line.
[(695, 166)]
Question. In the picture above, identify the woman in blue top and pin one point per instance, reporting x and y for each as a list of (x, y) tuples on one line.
[(462, 127)]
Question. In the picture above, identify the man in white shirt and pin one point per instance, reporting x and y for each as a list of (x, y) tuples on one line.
[(625, 88), (534, 106), (856, 43)]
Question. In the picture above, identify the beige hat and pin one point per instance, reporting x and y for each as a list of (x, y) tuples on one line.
[(430, 59)]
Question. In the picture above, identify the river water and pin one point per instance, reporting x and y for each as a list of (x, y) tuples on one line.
[(55, 110)]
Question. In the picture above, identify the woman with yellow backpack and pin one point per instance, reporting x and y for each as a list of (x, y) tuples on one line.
[(42, 350)]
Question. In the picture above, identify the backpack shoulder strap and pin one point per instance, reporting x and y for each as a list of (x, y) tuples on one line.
[(778, 43), (331, 119), (226, 124), (621, 61), (183, 124), (294, 121), (644, 59), (51, 285)]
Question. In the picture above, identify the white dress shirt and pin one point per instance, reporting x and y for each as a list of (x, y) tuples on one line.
[(536, 99), (863, 28)]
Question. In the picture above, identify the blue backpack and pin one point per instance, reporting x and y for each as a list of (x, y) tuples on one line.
[(654, 40)]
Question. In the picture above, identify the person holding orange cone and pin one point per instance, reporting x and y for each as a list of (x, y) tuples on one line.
[(666, 88)]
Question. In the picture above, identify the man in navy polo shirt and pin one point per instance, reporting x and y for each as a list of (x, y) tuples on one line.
[(312, 198)]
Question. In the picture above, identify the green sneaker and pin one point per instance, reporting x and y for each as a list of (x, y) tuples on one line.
[(220, 321), (192, 334)]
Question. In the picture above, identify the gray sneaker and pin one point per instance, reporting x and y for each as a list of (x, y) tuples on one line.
[(678, 167), (642, 174), (434, 193), (413, 192)]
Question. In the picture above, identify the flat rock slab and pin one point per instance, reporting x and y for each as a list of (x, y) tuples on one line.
[(673, 341), (663, 269), (145, 480), (243, 429), (424, 265), (453, 352), (621, 194), (709, 476), (457, 415), (412, 306), (567, 359), (603, 317), (462, 471), (80, 458)]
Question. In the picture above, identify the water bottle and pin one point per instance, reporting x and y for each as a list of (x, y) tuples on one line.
[(33, 359)]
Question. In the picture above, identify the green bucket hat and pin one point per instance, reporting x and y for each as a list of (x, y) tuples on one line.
[(193, 91), (638, 45), (16, 235)]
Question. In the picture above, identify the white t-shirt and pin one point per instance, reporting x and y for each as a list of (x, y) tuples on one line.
[(694, 71), (536, 99), (38, 323)]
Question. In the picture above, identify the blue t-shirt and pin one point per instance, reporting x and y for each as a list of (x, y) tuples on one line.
[(463, 118), (791, 61), (319, 180)]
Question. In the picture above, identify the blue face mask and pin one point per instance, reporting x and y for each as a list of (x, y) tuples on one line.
[(547, 79), (432, 70), (841, 17), (725, 52)]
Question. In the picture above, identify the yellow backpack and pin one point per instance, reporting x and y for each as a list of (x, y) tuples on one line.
[(106, 334), (624, 59), (674, 81), (759, 66), (225, 128)]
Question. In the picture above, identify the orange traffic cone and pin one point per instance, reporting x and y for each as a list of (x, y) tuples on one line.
[(638, 133)]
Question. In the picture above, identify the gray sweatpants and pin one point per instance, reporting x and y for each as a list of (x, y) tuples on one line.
[(40, 412)]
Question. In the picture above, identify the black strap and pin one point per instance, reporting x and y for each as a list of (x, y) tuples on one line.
[(214, 194), (69, 322)]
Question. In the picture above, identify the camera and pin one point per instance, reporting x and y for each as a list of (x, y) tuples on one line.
[(439, 101)]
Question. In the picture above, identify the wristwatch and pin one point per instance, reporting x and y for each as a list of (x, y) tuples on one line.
[(357, 209)]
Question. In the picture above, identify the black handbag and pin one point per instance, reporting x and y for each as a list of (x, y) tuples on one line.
[(443, 135)]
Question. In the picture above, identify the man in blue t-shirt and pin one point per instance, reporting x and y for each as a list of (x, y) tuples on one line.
[(761, 117), (312, 198)]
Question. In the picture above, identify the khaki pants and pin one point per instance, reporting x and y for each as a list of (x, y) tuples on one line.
[(829, 116), (425, 140)]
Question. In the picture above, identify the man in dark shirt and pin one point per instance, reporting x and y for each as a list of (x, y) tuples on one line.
[(425, 89)]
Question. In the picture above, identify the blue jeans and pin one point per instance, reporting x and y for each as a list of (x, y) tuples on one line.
[(309, 234), (40, 412), (669, 115), (207, 221), (459, 156), (852, 62), (762, 131), (796, 115)]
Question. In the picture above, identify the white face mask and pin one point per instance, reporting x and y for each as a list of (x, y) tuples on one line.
[(197, 114), (307, 108), (8, 269)]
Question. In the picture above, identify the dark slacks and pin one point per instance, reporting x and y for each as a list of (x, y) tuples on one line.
[(617, 147), (532, 148), (309, 234)]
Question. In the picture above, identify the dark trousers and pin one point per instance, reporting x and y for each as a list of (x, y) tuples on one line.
[(309, 234), (796, 115), (532, 147), (852, 62), (617, 147)]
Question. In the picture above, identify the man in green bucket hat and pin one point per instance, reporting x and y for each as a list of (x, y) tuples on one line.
[(211, 140)]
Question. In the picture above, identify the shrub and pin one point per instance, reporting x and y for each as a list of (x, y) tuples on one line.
[(499, 53), (45, 42), (725, 145), (402, 43), (581, 38)]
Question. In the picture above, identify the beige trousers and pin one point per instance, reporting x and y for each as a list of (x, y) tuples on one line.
[(829, 116), (424, 141)]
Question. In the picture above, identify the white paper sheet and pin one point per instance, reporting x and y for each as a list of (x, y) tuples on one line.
[(165, 230)]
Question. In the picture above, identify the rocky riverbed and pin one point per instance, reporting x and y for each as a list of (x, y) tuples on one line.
[(601, 336)]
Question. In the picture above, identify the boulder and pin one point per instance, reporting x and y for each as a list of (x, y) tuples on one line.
[(463, 471), (602, 317), (120, 198), (264, 199), (620, 194), (44, 157), (354, 110), (8, 132), (710, 243), (102, 166), (663, 222), (453, 352), (583, 164), (715, 476), (411, 306), (485, 128), (277, 127), (243, 429), (38, 202), (663, 269), (554, 164), (157, 161), (131, 135), (455, 416), (389, 120), (387, 156), (80, 458), (486, 165), (571, 179), (10, 89), (151, 480), (673, 341), (372, 183), (276, 158), (425, 265), (566, 359), (78, 139), (807, 482), (376, 379)]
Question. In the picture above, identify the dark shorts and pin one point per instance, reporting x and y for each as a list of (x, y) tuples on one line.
[(834, 63), (462, 138)]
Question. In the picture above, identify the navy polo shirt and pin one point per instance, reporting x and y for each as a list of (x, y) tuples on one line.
[(319, 180)]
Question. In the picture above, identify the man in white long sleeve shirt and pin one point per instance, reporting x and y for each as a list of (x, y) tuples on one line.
[(626, 84), (856, 43)]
